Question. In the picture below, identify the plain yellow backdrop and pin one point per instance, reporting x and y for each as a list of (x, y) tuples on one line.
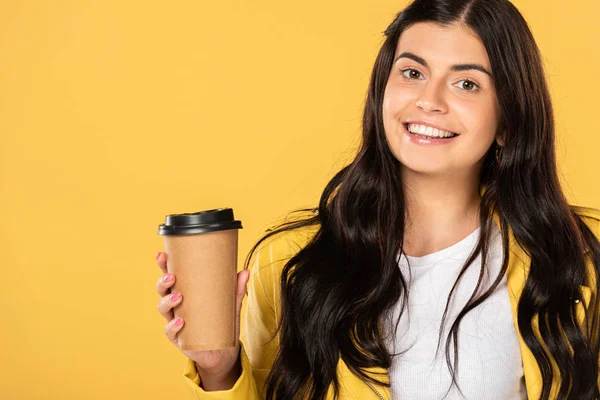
[(116, 113)]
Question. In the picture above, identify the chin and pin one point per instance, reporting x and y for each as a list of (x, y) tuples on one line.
[(423, 166)]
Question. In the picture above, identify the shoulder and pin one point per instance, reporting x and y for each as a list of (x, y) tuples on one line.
[(272, 254), (590, 216), (588, 212), (280, 246)]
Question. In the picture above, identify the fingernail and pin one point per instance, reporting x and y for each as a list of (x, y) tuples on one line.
[(175, 296), (178, 321), (168, 278), (157, 255)]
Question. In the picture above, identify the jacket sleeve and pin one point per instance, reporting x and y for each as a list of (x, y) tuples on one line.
[(244, 388), (257, 326)]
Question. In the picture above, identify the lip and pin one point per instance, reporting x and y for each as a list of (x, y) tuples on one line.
[(406, 123)]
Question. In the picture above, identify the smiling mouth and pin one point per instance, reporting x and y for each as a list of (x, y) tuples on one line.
[(427, 132)]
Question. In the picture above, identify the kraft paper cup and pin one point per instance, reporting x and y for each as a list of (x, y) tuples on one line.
[(201, 251)]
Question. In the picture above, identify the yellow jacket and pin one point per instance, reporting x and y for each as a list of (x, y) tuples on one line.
[(258, 321)]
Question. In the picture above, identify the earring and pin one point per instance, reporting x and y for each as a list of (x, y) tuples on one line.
[(498, 154)]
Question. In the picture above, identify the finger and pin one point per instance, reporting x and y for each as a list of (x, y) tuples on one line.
[(164, 284), (172, 329), (161, 260), (166, 304), (242, 281)]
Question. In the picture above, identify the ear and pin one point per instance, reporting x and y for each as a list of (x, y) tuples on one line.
[(501, 133), (500, 138)]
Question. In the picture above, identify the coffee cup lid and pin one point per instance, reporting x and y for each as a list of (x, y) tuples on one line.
[(218, 219)]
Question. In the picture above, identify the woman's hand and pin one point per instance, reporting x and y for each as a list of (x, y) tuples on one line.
[(218, 369)]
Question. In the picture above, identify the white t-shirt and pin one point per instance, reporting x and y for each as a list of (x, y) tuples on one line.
[(489, 359)]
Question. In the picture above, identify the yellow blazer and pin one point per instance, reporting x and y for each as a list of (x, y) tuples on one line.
[(262, 308)]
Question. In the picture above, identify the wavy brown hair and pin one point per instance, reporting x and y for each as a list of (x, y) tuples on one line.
[(336, 289)]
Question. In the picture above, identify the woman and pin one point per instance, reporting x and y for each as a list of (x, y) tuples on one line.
[(450, 224)]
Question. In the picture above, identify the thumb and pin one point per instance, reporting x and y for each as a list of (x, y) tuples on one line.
[(242, 281)]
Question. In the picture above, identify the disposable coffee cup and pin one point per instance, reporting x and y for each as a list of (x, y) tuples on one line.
[(202, 250)]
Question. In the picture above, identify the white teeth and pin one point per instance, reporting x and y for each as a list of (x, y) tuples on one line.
[(428, 131)]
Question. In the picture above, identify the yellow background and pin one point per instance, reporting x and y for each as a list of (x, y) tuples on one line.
[(115, 113)]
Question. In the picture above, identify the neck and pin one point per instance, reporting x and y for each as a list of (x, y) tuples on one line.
[(440, 210)]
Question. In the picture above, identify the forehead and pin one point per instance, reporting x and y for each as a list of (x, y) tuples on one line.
[(437, 44)]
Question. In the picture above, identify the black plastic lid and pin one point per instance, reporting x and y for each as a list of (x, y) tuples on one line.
[(219, 219)]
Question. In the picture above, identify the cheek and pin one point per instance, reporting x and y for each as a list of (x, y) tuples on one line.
[(394, 101), (479, 120)]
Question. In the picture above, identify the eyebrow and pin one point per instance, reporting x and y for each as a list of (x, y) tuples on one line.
[(456, 67)]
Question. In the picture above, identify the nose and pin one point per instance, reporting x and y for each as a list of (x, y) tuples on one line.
[(431, 98)]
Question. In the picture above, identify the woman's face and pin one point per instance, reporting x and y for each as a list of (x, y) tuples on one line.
[(440, 78)]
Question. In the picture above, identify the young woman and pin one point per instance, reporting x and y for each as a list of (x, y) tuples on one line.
[(444, 260)]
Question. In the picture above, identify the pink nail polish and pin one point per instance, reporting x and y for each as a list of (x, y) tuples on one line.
[(178, 321), (175, 296), (168, 278)]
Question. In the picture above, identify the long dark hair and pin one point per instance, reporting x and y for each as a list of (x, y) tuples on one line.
[(337, 289)]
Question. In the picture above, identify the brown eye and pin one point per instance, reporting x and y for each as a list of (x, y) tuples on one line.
[(412, 73), (469, 86)]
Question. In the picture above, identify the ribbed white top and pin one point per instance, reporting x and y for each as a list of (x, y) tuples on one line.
[(489, 358)]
